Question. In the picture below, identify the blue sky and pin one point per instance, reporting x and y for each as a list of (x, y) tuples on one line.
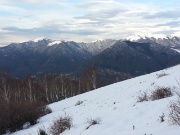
[(87, 20)]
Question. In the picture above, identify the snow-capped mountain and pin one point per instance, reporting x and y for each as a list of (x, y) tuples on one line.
[(93, 48), (171, 41), (137, 37), (118, 108)]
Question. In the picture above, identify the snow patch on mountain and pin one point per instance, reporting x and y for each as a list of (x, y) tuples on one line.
[(176, 50), (165, 40), (117, 107), (54, 43)]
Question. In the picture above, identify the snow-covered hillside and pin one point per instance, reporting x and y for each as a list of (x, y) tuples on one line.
[(118, 108)]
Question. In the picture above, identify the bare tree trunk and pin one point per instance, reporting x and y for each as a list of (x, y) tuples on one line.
[(71, 88), (79, 90), (62, 84), (45, 87), (30, 89), (5, 90), (93, 78)]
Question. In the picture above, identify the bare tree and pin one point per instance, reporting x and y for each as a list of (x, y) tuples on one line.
[(92, 77), (30, 89), (5, 91), (79, 90), (45, 87), (174, 113)]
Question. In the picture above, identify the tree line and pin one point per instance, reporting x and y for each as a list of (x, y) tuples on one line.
[(47, 88)]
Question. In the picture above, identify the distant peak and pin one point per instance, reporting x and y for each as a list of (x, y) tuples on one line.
[(38, 39), (97, 40), (135, 37), (144, 36)]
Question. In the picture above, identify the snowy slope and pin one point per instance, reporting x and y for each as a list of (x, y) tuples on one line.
[(118, 109), (54, 43)]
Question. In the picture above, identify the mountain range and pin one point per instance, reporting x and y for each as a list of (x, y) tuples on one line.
[(135, 56)]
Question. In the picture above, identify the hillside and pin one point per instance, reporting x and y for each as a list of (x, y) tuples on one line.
[(118, 108)]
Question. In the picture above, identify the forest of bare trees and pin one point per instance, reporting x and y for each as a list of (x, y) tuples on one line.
[(48, 88), (24, 100), (28, 97)]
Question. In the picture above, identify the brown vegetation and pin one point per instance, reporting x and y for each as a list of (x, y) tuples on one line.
[(174, 113), (60, 125), (143, 97), (161, 92), (93, 121), (15, 115)]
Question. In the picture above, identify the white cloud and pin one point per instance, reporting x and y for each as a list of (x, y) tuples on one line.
[(84, 20), (12, 9)]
